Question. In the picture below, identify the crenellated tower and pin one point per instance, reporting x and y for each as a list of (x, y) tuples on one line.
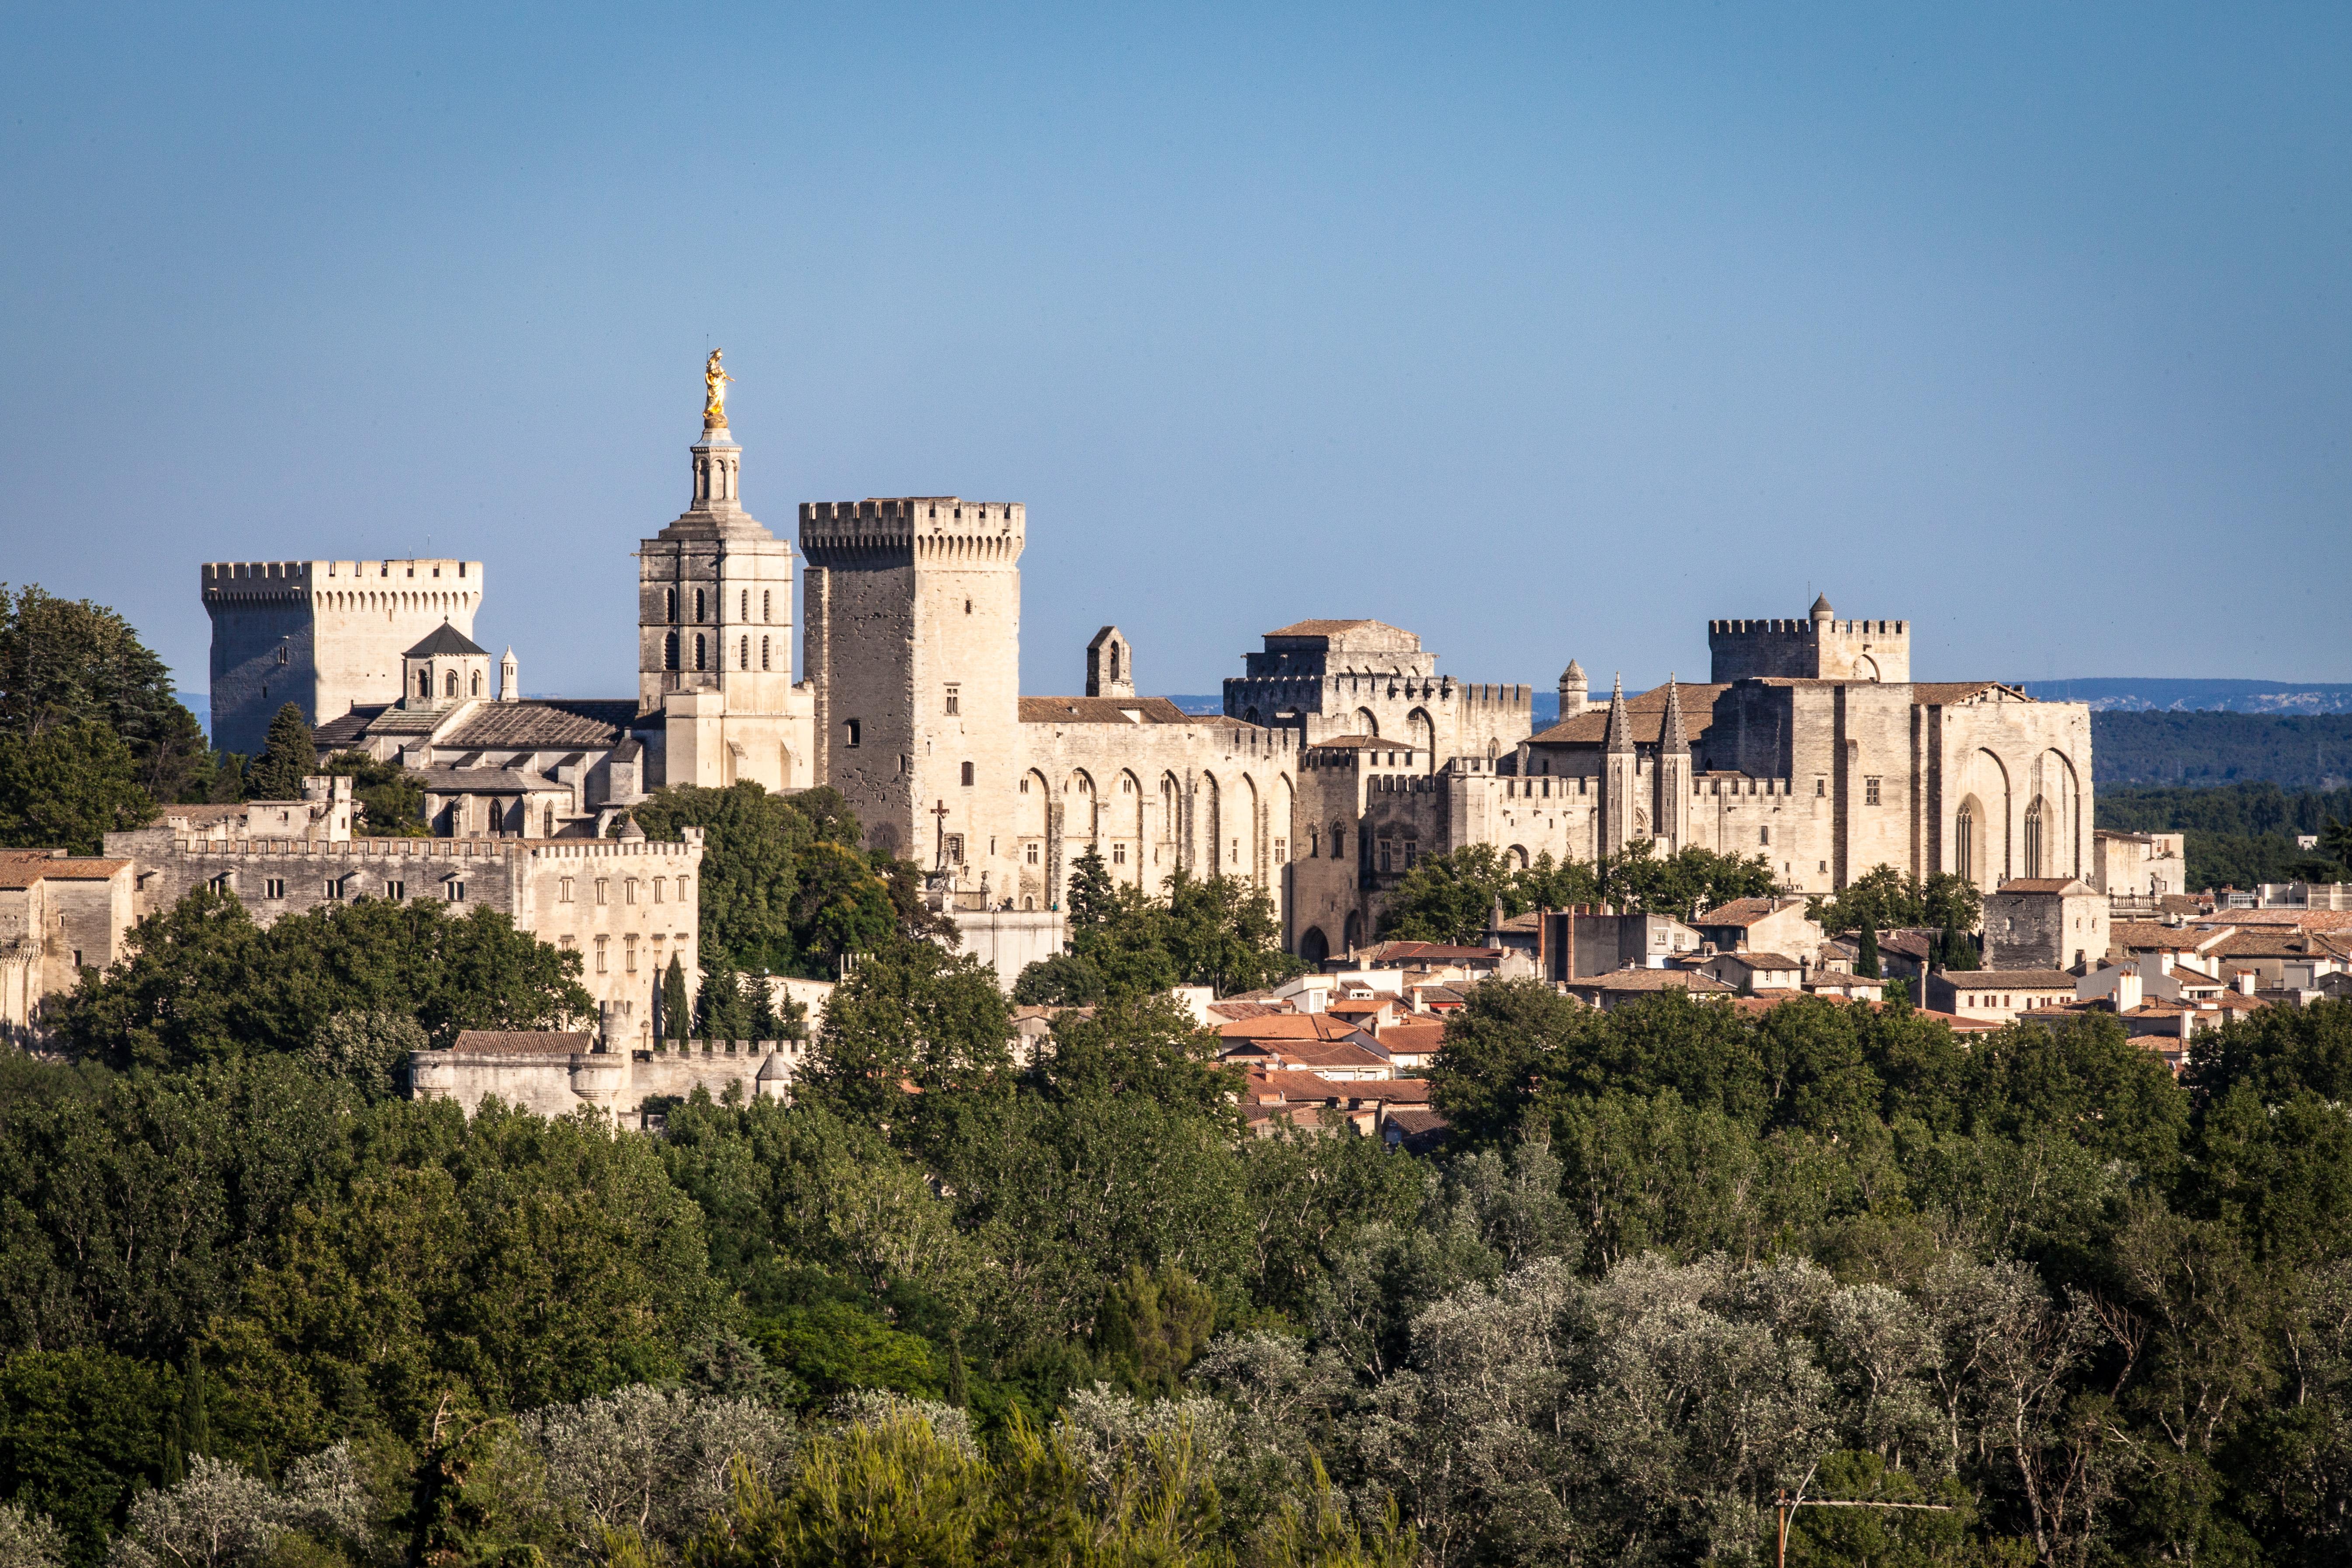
[(913, 645)]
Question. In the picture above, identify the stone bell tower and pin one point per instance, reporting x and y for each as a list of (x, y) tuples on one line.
[(714, 628)]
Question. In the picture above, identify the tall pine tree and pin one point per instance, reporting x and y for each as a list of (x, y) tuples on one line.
[(1865, 958), (287, 759)]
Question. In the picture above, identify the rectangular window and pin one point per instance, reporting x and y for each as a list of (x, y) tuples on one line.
[(1384, 853), (273, 887), (967, 775), (1119, 854), (681, 889), (1282, 851), (334, 889), (1763, 836), (658, 889), (1820, 788), (850, 734), (603, 889), (1030, 853), (1411, 853), (628, 889), (563, 894), (629, 953), (954, 849), (955, 694), (601, 943), (747, 607), (457, 892), (1870, 792)]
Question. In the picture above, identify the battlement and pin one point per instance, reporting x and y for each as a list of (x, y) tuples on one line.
[(1805, 629), (941, 529), (278, 580), (1821, 647)]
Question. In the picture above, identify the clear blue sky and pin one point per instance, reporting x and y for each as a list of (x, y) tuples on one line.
[(1544, 333)]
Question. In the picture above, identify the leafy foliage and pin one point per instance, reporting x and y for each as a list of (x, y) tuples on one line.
[(2241, 835), (67, 662), (785, 889), (287, 757), (391, 798), (1450, 897), (1218, 931), (1885, 899), (69, 786), (201, 983)]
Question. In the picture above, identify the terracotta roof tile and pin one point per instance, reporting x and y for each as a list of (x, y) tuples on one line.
[(523, 1043), (1106, 711)]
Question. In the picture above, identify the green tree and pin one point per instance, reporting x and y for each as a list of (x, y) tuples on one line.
[(1450, 897), (913, 1023), (65, 662), (1865, 953), (723, 1011), (391, 798), (676, 1015), (287, 757), (1223, 932), (67, 786), (1636, 880), (199, 982), (1090, 894)]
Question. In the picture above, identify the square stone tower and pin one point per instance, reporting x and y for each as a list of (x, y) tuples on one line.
[(913, 643), (326, 635), (714, 634), (1818, 647)]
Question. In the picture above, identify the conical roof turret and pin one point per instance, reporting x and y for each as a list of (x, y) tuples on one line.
[(1672, 740), (1822, 611), (1573, 675), (1621, 725)]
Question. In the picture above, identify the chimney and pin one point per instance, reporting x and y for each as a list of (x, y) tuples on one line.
[(2242, 981), (2129, 991)]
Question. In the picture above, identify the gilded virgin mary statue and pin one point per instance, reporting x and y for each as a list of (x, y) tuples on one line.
[(714, 408)]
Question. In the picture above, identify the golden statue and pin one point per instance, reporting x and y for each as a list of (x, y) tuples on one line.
[(714, 410)]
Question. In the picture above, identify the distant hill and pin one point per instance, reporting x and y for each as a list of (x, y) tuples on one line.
[(2132, 695), (2146, 744)]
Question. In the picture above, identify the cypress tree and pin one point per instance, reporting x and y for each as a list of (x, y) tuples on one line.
[(1865, 961), (287, 759), (678, 1018)]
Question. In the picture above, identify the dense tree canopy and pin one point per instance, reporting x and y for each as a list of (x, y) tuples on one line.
[(785, 887), (961, 1304), (65, 662), (200, 982), (1217, 932), (67, 787), (1450, 897)]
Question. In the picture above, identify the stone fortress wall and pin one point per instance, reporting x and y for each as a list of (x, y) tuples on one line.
[(323, 635)]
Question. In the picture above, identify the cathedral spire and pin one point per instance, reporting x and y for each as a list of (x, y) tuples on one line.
[(1620, 726), (1672, 740)]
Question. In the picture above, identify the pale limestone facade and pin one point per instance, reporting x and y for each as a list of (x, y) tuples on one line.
[(556, 1074), (626, 905), (913, 649), (327, 636), (1826, 764), (714, 637), (60, 914)]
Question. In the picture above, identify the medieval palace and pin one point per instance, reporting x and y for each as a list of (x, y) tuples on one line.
[(1341, 757)]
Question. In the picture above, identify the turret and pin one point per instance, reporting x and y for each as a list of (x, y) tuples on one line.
[(1575, 696), (1110, 665), (510, 678)]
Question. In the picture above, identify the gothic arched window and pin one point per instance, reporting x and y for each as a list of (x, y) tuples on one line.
[(669, 605), (2033, 839), (767, 607), (478, 683), (450, 684), (701, 649), (1964, 844), (425, 683), (670, 651), (698, 606)]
